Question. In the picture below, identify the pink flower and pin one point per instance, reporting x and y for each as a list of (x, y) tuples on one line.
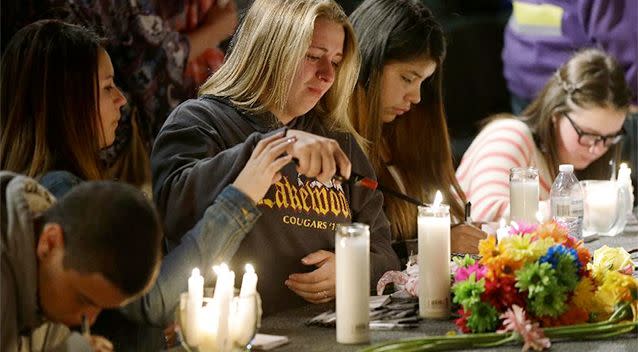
[(463, 273), (627, 270), (522, 228), (514, 320)]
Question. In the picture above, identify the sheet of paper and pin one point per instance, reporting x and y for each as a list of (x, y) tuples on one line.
[(378, 301), (265, 342)]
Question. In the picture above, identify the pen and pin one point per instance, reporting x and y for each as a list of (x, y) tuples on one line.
[(366, 182), (86, 329)]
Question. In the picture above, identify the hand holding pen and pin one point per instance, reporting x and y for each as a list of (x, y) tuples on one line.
[(98, 343), (318, 157)]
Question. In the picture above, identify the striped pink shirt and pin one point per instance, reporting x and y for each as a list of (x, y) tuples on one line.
[(484, 170)]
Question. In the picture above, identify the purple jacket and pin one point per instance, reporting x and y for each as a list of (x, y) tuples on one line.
[(532, 53)]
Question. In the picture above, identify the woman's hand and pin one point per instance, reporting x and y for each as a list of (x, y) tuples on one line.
[(319, 157), (262, 169), (218, 24), (317, 286), (465, 238), (221, 21)]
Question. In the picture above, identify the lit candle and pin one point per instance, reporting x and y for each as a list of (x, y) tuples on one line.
[(601, 202), (222, 298), (208, 329), (248, 282), (434, 259), (243, 310), (194, 306), (503, 230), (352, 251), (624, 180)]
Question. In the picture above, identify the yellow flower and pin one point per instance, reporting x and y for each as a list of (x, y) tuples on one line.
[(492, 256), (615, 288), (489, 250), (609, 259), (523, 249), (584, 294)]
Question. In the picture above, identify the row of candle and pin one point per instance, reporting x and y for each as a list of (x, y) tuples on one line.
[(214, 327)]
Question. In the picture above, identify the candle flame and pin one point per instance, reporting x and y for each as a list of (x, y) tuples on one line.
[(623, 165), (438, 198), (219, 269), (249, 268), (195, 272)]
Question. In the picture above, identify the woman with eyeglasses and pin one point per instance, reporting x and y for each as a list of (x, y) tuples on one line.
[(576, 119)]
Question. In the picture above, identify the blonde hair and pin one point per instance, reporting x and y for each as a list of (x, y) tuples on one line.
[(267, 50)]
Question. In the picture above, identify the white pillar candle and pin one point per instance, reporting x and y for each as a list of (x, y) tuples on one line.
[(524, 194), (624, 179), (222, 298), (208, 329), (194, 306), (352, 249), (601, 201), (434, 259), (248, 282), (243, 309)]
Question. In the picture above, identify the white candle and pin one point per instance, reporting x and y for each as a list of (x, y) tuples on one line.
[(208, 329), (352, 251), (194, 306), (434, 259), (601, 201), (248, 282), (624, 179), (222, 298), (503, 230), (524, 200), (243, 309)]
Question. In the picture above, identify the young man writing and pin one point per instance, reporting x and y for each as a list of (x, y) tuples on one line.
[(98, 247)]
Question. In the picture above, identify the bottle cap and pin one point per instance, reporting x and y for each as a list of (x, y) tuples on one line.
[(566, 168)]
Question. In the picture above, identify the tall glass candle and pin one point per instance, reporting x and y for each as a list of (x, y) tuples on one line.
[(222, 298), (352, 249), (208, 321), (194, 306), (434, 259), (248, 282), (524, 194), (243, 308)]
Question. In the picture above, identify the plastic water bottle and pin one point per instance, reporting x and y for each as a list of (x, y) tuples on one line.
[(566, 198)]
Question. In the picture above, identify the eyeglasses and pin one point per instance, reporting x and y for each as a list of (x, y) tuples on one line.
[(590, 139)]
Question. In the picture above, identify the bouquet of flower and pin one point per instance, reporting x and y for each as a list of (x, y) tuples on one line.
[(547, 273), (535, 284)]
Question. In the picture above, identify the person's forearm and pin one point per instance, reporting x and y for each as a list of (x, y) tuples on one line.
[(198, 41), (215, 238)]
